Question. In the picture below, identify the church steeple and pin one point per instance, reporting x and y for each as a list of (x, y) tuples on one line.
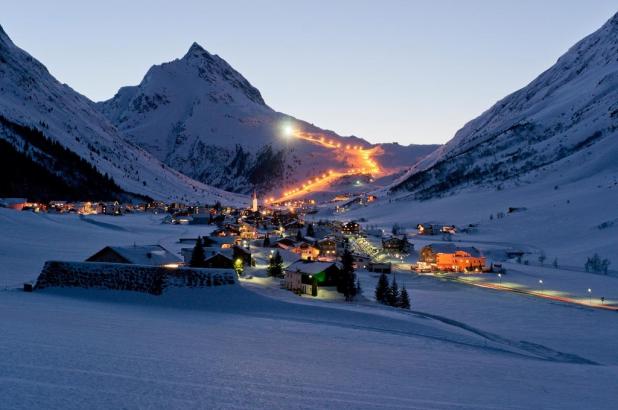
[(254, 202)]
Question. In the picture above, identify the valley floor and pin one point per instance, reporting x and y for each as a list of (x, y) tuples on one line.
[(256, 346)]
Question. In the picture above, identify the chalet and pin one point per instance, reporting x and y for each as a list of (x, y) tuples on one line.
[(285, 243), (350, 228), (305, 277), (223, 242), (153, 255), (449, 257), (219, 260), (328, 247), (306, 251), (396, 244), (293, 227)]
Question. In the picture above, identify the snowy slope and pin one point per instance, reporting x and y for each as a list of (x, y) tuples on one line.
[(30, 96), (563, 126), (203, 118)]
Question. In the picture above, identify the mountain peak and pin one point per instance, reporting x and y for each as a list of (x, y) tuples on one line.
[(196, 51)]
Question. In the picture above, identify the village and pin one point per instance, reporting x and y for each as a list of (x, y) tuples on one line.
[(288, 246)]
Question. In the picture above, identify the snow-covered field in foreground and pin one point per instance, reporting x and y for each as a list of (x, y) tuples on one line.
[(262, 347)]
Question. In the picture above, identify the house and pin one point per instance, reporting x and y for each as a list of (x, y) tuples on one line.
[(13, 203), (153, 255), (108, 208), (396, 244), (463, 260), (432, 228), (306, 251), (449, 257), (219, 260), (305, 277), (428, 253), (350, 228), (328, 247), (287, 242)]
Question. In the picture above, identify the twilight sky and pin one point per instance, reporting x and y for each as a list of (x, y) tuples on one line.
[(388, 70)]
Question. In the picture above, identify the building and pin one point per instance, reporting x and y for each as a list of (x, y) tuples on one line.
[(350, 228), (328, 247), (431, 228), (379, 267), (396, 244), (428, 253), (306, 277), (254, 202), (449, 257), (469, 260), (13, 203), (306, 251), (219, 260), (153, 255)]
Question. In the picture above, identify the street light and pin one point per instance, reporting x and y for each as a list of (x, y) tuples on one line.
[(541, 286), (589, 296), (500, 278)]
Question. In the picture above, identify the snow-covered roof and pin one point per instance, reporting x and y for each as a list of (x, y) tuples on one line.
[(452, 248), (310, 268), (146, 254)]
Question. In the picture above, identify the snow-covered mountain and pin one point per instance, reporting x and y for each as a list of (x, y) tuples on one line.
[(200, 116), (562, 127), (37, 111)]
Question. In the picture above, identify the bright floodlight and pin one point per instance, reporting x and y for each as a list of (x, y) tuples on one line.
[(288, 130)]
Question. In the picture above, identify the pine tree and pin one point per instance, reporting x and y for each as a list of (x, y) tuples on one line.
[(197, 256), (392, 296), (275, 267), (299, 236), (347, 280), (382, 289), (404, 299), (266, 243), (310, 230)]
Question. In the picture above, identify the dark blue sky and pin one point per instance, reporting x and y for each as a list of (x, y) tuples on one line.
[(406, 71)]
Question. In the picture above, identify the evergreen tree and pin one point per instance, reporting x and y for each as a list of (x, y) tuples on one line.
[(347, 279), (299, 236), (404, 299), (310, 230), (275, 267), (392, 296), (382, 289), (197, 256), (266, 243)]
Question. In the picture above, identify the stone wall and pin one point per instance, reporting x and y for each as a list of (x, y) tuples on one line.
[(138, 278)]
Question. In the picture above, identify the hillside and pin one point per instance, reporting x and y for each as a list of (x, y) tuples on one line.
[(33, 101), (203, 118), (562, 127)]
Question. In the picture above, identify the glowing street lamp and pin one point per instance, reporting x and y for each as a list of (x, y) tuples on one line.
[(589, 296), (500, 278)]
